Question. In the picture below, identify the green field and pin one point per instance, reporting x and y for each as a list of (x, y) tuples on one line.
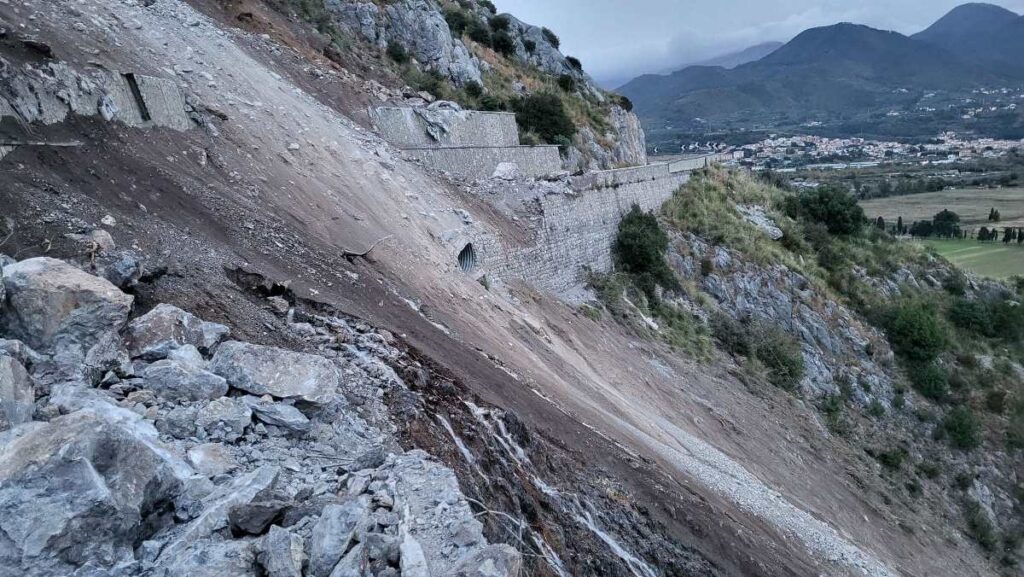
[(972, 204), (992, 259)]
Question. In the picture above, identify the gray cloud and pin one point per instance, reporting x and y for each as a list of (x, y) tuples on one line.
[(619, 39)]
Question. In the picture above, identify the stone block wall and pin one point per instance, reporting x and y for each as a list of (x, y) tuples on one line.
[(575, 231), (474, 162), (425, 127)]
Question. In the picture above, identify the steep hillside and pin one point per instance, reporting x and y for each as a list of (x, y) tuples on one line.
[(409, 415)]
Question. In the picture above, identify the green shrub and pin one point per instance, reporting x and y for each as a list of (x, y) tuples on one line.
[(781, 354), (544, 114), (971, 315), (930, 379), (457, 21), (979, 527), (625, 103), (1015, 427), (915, 330), (479, 32), (929, 469), (574, 63), (955, 284), (488, 5), (963, 428), (500, 23), (876, 409), (776, 350), (892, 458), (995, 401), (503, 43), (639, 250), (567, 83), (397, 52), (493, 104), (833, 206), (551, 37), (707, 266), (732, 334), (473, 89), (899, 400), (530, 46)]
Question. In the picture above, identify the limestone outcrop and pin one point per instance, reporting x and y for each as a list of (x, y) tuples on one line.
[(166, 466)]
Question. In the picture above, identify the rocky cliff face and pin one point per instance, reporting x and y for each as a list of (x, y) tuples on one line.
[(420, 27), (158, 446)]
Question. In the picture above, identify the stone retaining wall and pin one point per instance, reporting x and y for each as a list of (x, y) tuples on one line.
[(474, 162), (424, 127)]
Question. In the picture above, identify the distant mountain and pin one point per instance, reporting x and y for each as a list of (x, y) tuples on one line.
[(966, 24), (734, 59), (984, 33), (843, 72)]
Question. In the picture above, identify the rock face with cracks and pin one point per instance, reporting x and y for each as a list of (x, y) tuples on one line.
[(226, 483)]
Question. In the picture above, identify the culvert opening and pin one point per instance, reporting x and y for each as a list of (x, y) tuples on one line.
[(140, 102), (467, 258)]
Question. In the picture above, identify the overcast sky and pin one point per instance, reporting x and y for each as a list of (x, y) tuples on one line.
[(619, 39)]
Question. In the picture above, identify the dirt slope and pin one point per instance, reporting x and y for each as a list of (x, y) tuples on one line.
[(289, 184)]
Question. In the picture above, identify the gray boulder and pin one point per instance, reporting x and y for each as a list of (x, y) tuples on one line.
[(17, 395), (212, 558), (278, 414), (421, 28), (282, 553), (177, 381), (253, 518), (491, 561), (332, 535), (271, 371), (49, 301), (351, 565), (211, 459), (224, 419), (156, 333), (81, 490), (20, 351)]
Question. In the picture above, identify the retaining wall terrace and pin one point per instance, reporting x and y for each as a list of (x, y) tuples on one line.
[(574, 232), (407, 127), (476, 162)]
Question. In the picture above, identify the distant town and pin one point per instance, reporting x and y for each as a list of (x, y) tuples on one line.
[(791, 153)]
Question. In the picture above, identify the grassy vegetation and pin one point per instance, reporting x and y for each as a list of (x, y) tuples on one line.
[(992, 259), (972, 204)]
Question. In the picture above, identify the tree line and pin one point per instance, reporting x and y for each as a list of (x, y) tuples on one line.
[(946, 224)]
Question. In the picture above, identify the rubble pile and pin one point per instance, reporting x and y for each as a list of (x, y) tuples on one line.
[(155, 445)]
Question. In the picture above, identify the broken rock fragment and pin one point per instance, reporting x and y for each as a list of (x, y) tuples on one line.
[(156, 333), (262, 370)]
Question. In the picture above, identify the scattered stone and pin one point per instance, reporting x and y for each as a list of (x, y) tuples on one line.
[(211, 459), (279, 305), (352, 564), (108, 220), (282, 553), (49, 301), (178, 381), (506, 171), (262, 370), (332, 534), (278, 414), (254, 518), (17, 395), (153, 335), (94, 242), (491, 561), (224, 419)]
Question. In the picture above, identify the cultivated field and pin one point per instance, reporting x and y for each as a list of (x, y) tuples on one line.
[(992, 259), (972, 204)]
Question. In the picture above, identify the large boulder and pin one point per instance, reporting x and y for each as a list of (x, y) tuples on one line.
[(271, 371), (50, 302), (17, 395), (282, 553), (224, 419), (491, 561), (278, 414), (333, 534), (165, 328), (81, 490), (179, 381)]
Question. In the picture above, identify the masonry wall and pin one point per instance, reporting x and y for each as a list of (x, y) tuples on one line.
[(480, 162), (576, 231), (423, 127)]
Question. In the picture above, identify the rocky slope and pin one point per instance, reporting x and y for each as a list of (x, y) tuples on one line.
[(587, 448)]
